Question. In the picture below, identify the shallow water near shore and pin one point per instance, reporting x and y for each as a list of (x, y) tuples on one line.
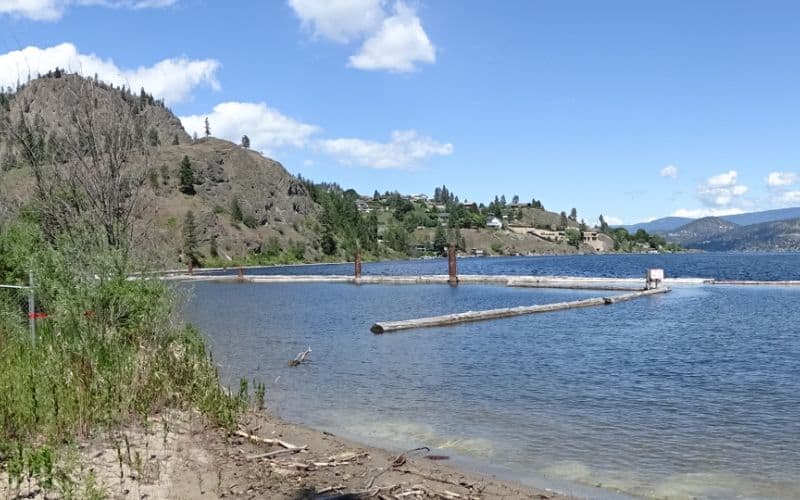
[(689, 394)]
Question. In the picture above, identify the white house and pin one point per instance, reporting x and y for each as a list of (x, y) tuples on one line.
[(494, 223)]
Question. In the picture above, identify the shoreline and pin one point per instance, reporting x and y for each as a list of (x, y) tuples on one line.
[(178, 454)]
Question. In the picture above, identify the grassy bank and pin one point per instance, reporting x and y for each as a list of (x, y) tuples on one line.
[(108, 352)]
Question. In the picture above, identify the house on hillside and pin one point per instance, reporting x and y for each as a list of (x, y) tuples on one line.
[(494, 223), (597, 240), (362, 206), (546, 234)]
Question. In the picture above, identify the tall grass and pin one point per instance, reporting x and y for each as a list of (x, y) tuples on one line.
[(109, 350)]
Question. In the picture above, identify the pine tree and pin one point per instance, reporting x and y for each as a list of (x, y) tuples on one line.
[(208, 128), (190, 238), (175, 140), (236, 210), (573, 214), (603, 224), (439, 240), (212, 250), (245, 142), (152, 137), (187, 177)]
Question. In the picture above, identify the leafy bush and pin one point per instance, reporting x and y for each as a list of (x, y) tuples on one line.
[(105, 353)]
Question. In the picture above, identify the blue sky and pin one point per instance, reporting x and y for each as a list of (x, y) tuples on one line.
[(631, 109)]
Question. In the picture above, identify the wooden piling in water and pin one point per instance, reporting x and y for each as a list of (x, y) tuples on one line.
[(452, 267), (470, 316)]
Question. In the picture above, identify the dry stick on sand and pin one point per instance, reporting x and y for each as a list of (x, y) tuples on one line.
[(284, 444), (276, 453)]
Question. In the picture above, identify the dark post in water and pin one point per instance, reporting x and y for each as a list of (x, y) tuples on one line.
[(451, 265), (190, 265), (358, 266), (241, 274)]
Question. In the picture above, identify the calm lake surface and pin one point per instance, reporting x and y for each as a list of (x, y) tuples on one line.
[(695, 393)]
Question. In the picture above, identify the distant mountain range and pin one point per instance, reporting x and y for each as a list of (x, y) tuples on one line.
[(667, 224), (771, 230)]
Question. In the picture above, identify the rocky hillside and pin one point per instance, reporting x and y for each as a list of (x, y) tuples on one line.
[(275, 207), (700, 231)]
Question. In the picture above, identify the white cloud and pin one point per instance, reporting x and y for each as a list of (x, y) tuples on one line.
[(267, 128), (171, 79), (669, 171), (398, 46), (790, 198), (395, 42), (613, 221), (726, 179), (706, 212), (721, 190), (406, 149), (339, 20), (782, 179), (53, 10)]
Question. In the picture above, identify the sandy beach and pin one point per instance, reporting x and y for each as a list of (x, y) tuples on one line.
[(176, 455)]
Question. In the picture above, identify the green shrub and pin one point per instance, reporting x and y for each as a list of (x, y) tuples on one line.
[(105, 354)]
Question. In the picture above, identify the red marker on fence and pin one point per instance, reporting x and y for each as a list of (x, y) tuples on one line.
[(37, 315)]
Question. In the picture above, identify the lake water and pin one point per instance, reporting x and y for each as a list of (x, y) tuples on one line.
[(690, 394)]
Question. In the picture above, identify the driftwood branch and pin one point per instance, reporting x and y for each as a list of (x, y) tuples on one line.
[(300, 357), (272, 442), (271, 454)]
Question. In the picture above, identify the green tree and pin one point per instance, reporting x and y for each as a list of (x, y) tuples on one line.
[(164, 175), (245, 142), (152, 137), (573, 214), (641, 236), (396, 238), (175, 140), (564, 222), (439, 240), (573, 237), (153, 177), (208, 128), (187, 177), (328, 242), (603, 224), (190, 238), (212, 249), (236, 210)]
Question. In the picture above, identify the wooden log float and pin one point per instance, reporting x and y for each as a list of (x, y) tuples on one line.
[(470, 316)]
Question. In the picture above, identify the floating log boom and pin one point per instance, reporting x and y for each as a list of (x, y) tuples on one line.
[(470, 316)]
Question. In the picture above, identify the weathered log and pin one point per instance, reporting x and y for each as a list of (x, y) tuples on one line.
[(469, 316), (284, 444)]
